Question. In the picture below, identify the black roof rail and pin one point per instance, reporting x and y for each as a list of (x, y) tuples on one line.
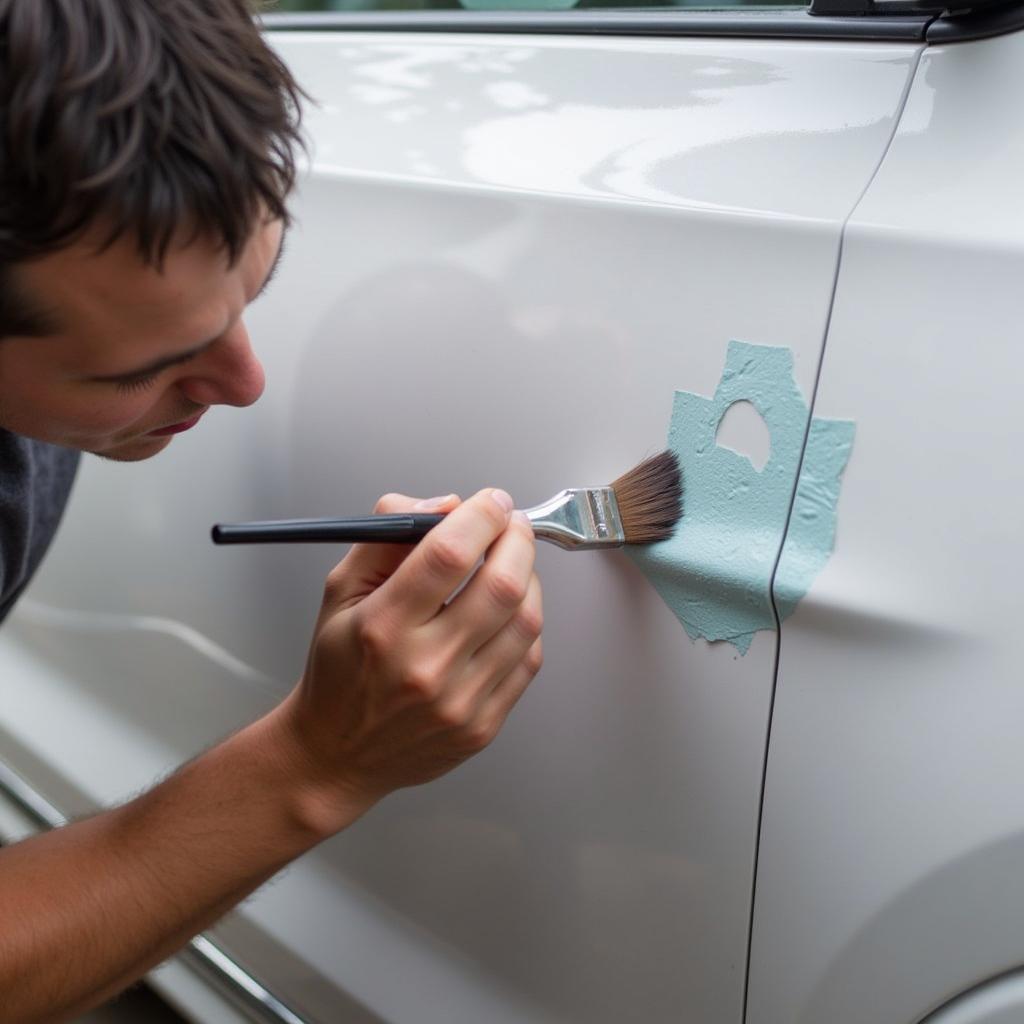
[(977, 23), (956, 10)]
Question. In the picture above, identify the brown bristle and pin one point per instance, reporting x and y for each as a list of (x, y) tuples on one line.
[(650, 499)]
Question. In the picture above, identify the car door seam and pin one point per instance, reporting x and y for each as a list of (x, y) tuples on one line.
[(900, 107)]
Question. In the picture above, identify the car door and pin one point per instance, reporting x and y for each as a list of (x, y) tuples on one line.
[(512, 246), (889, 874)]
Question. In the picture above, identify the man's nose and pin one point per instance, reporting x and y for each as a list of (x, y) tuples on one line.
[(227, 374)]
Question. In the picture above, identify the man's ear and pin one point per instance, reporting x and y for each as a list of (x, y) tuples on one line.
[(21, 314)]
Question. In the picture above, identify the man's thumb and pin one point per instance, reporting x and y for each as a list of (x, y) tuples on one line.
[(367, 566)]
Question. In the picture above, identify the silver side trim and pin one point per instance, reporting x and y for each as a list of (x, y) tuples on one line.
[(35, 806), (206, 957), (201, 954)]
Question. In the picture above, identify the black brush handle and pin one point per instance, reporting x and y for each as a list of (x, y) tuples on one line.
[(396, 529)]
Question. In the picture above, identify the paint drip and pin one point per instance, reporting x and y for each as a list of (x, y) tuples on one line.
[(715, 571)]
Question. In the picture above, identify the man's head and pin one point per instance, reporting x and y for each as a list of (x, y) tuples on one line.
[(145, 161)]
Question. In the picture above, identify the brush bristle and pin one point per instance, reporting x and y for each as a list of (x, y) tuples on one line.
[(650, 499)]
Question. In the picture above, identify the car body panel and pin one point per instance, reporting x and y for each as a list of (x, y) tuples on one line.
[(507, 255), (893, 835), (999, 1001)]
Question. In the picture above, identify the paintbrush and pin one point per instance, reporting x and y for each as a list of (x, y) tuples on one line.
[(640, 507)]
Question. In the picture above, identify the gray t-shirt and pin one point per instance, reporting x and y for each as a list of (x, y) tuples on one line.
[(35, 480)]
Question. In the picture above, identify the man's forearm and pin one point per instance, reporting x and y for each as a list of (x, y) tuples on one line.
[(89, 908), (403, 682)]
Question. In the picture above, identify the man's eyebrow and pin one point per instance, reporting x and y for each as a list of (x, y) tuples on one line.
[(183, 357)]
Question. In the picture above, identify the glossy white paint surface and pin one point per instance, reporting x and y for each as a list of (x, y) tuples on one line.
[(893, 840), (1000, 1001), (508, 255)]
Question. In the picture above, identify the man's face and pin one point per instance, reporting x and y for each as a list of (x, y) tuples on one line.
[(137, 354)]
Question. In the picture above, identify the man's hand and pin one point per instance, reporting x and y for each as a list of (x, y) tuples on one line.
[(405, 681)]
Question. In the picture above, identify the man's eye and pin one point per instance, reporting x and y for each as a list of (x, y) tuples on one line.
[(136, 383)]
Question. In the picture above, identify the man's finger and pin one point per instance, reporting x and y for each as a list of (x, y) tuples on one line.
[(503, 698), (495, 594), (367, 566), (517, 643), (445, 557)]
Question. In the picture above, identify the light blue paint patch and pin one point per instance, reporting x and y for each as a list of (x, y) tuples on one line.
[(715, 571), (812, 526)]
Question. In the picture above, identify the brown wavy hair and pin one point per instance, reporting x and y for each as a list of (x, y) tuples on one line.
[(140, 117)]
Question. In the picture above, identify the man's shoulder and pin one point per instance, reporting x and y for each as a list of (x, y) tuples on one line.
[(28, 466), (35, 481)]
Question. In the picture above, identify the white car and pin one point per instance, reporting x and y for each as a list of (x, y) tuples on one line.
[(520, 235)]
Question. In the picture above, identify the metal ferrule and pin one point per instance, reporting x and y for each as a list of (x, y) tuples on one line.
[(584, 517)]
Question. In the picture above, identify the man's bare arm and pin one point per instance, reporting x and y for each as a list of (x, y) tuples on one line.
[(89, 908), (400, 686)]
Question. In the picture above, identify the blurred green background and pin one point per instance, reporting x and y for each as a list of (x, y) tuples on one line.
[(505, 5)]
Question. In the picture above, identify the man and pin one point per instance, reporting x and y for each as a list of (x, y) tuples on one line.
[(145, 159)]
